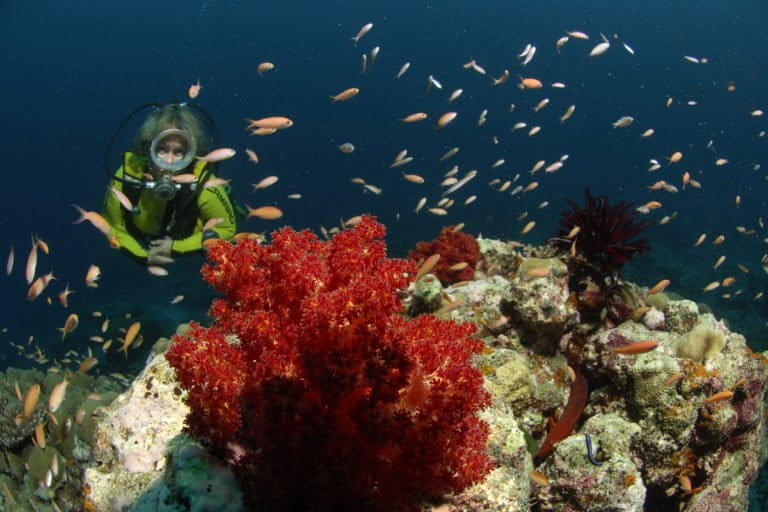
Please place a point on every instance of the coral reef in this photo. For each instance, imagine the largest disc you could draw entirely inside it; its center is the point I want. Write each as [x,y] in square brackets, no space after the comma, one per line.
[701,342]
[680,316]
[458,255]
[668,429]
[315,387]
[43,456]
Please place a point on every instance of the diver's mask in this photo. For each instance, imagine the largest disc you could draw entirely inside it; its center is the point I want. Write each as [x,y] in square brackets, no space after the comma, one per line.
[171,151]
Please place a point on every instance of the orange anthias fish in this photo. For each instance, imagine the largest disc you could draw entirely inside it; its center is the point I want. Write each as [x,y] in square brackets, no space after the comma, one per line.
[9,262]
[346,94]
[94,218]
[122,198]
[427,266]
[30,400]
[675,157]
[445,119]
[70,325]
[36,288]
[31,263]
[210,223]
[57,395]
[130,336]
[638,347]
[265,212]
[530,83]
[364,30]
[264,67]
[659,287]
[276,122]
[88,363]
[63,295]
[252,156]
[92,275]
[217,155]
[194,89]
[414,118]
[262,132]
[184,179]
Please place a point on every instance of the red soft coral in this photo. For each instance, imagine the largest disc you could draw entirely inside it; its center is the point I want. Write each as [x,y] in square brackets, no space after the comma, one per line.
[331,399]
[454,247]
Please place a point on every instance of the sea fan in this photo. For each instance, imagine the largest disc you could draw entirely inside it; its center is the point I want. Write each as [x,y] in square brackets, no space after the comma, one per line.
[606,232]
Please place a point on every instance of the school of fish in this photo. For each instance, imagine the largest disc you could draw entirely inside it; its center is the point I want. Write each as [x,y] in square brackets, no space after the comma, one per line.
[445,187]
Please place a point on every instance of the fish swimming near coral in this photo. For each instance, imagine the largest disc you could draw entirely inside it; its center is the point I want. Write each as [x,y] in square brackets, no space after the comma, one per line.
[564,426]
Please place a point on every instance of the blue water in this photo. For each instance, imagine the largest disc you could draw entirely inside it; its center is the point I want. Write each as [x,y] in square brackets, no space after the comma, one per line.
[70,71]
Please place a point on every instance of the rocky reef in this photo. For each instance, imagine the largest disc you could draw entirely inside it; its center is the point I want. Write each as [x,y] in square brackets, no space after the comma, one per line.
[143,462]
[673,417]
[650,403]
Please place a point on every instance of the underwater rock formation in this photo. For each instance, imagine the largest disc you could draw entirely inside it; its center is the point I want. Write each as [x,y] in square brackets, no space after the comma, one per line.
[663,428]
[538,303]
[143,462]
[426,295]
[131,436]
[666,432]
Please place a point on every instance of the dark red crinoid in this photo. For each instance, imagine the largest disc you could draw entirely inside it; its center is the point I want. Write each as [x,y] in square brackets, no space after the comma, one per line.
[454,248]
[607,235]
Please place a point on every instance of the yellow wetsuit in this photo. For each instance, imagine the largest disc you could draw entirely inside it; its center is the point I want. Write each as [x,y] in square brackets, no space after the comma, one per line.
[133,231]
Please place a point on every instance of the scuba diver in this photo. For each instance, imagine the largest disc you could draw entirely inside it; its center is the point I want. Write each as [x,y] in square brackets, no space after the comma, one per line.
[174,208]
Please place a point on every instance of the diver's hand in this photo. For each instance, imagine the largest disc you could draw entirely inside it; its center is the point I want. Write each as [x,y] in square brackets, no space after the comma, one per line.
[160,252]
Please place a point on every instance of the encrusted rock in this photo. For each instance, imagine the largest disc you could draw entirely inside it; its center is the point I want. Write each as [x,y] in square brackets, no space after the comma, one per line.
[538,304]
[681,315]
[506,488]
[479,301]
[195,478]
[654,319]
[704,341]
[131,437]
[426,295]
[497,257]
[578,484]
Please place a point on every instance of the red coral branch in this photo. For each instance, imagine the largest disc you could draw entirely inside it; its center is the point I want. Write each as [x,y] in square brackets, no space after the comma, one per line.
[455,247]
[332,400]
